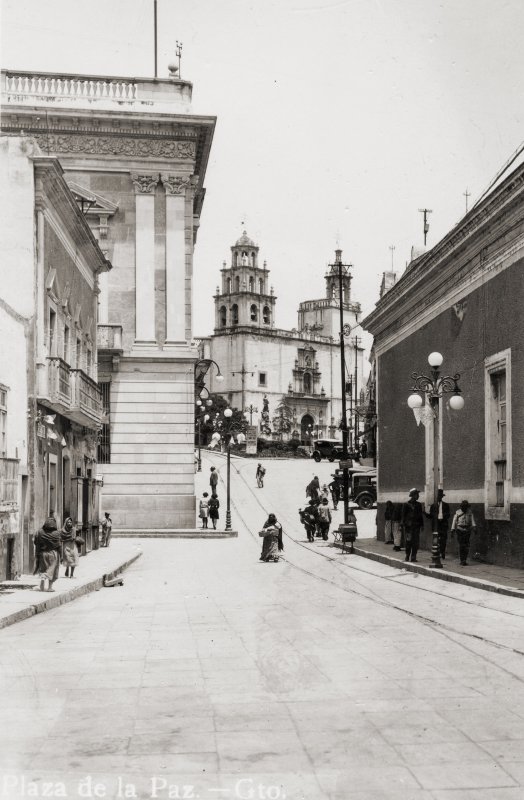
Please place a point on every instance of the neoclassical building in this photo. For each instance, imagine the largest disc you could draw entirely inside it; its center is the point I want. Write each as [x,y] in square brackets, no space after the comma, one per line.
[135,158]
[264,365]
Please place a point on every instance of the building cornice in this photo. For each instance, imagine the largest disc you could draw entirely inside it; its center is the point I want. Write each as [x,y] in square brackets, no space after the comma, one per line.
[472,251]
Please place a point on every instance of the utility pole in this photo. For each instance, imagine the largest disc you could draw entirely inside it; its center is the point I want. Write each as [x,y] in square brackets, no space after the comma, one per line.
[243,372]
[343,269]
[155,36]
[356,343]
[251,409]
[466,195]
[426,211]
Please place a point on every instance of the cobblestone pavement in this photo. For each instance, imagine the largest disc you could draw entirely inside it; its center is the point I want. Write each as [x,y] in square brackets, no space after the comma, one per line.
[322,676]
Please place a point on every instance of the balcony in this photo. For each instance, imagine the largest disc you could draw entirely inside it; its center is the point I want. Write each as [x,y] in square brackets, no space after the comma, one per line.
[86,400]
[109,339]
[56,389]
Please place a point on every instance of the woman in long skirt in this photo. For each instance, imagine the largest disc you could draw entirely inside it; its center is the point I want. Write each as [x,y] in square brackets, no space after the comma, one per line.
[272,544]
[47,551]
[69,549]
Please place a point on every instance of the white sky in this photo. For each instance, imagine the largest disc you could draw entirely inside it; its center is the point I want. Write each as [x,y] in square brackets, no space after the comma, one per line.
[337,120]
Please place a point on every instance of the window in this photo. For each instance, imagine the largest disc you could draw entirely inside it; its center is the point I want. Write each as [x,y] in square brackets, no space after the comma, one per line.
[78,360]
[261,285]
[262,378]
[237,283]
[266,315]
[223,317]
[254,313]
[104,440]
[66,344]
[498,436]
[234,314]
[52,332]
[251,284]
[89,361]
[3,421]
[307,383]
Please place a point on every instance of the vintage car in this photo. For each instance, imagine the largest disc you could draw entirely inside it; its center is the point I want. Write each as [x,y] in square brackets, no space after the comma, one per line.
[327,448]
[362,485]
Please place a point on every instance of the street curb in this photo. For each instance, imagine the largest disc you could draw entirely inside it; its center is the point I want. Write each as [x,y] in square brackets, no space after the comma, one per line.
[64,597]
[451,577]
[174,534]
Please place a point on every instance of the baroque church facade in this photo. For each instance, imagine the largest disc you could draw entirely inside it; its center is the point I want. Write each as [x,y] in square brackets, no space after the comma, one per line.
[287,382]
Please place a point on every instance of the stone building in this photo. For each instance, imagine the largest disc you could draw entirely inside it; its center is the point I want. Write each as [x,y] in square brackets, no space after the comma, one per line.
[135,158]
[49,398]
[264,366]
[463,298]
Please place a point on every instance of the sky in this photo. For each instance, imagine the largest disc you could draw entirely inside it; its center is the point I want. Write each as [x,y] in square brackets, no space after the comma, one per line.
[337,120]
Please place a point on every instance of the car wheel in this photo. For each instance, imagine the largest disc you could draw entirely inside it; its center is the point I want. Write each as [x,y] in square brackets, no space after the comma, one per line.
[331,459]
[366,501]
[317,457]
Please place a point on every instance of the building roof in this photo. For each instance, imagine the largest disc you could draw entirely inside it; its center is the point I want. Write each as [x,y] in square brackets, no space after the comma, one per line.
[245,241]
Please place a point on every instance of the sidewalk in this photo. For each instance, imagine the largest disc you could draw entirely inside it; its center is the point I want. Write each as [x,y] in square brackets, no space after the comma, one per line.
[22,599]
[490,577]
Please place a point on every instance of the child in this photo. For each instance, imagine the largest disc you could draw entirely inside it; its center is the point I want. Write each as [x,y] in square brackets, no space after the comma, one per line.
[204,509]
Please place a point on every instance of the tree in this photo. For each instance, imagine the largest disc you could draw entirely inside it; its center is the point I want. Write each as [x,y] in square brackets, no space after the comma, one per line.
[283,419]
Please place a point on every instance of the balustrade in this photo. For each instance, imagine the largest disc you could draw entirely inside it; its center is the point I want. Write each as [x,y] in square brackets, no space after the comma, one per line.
[44,85]
[87,397]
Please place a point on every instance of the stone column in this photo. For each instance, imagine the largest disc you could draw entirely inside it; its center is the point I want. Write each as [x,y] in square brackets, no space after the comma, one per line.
[176,186]
[145,258]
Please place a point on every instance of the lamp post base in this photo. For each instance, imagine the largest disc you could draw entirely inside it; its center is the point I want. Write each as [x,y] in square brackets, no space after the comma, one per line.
[228,520]
[436,563]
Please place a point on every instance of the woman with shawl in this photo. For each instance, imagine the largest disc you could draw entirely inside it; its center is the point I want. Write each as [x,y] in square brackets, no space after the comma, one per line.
[272,544]
[47,551]
[69,549]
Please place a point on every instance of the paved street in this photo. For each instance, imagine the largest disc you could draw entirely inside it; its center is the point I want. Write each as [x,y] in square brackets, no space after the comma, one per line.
[322,676]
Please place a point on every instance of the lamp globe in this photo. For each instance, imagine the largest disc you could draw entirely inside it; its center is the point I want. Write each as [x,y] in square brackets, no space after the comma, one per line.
[435,359]
[228,412]
[456,402]
[414,401]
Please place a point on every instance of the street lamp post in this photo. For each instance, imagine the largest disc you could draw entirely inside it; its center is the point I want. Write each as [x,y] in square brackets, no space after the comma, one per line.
[201,408]
[251,409]
[229,430]
[200,371]
[434,387]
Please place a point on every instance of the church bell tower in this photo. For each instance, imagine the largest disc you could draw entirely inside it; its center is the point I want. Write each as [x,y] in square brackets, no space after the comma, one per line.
[244,298]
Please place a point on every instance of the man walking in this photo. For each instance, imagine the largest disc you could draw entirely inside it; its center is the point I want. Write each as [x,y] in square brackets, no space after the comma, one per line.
[439,515]
[412,521]
[260,476]
[464,525]
[213,480]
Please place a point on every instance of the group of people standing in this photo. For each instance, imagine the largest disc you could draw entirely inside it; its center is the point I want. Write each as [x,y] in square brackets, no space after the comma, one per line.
[208,507]
[405,521]
[316,516]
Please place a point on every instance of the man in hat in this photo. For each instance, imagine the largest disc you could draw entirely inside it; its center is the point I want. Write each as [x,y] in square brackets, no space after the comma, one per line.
[412,521]
[439,515]
[464,525]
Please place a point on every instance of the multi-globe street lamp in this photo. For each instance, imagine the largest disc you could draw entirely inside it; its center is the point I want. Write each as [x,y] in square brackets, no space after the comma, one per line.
[229,429]
[434,387]
[201,391]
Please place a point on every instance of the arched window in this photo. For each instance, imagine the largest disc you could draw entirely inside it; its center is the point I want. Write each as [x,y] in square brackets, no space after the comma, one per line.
[234,314]
[223,317]
[237,283]
[261,285]
[306,428]
[251,284]
[307,383]
[266,315]
[253,259]
[254,313]
[229,285]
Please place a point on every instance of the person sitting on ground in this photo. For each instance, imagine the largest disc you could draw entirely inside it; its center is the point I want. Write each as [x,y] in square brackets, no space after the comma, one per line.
[70,557]
[47,552]
[272,544]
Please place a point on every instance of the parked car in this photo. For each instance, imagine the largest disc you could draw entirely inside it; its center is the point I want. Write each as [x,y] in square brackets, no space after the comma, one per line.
[362,485]
[327,448]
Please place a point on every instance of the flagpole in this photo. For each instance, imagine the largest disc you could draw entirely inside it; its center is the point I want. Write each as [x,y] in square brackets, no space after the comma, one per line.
[155,26]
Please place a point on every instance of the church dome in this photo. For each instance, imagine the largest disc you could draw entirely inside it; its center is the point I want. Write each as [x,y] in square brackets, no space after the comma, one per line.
[245,241]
